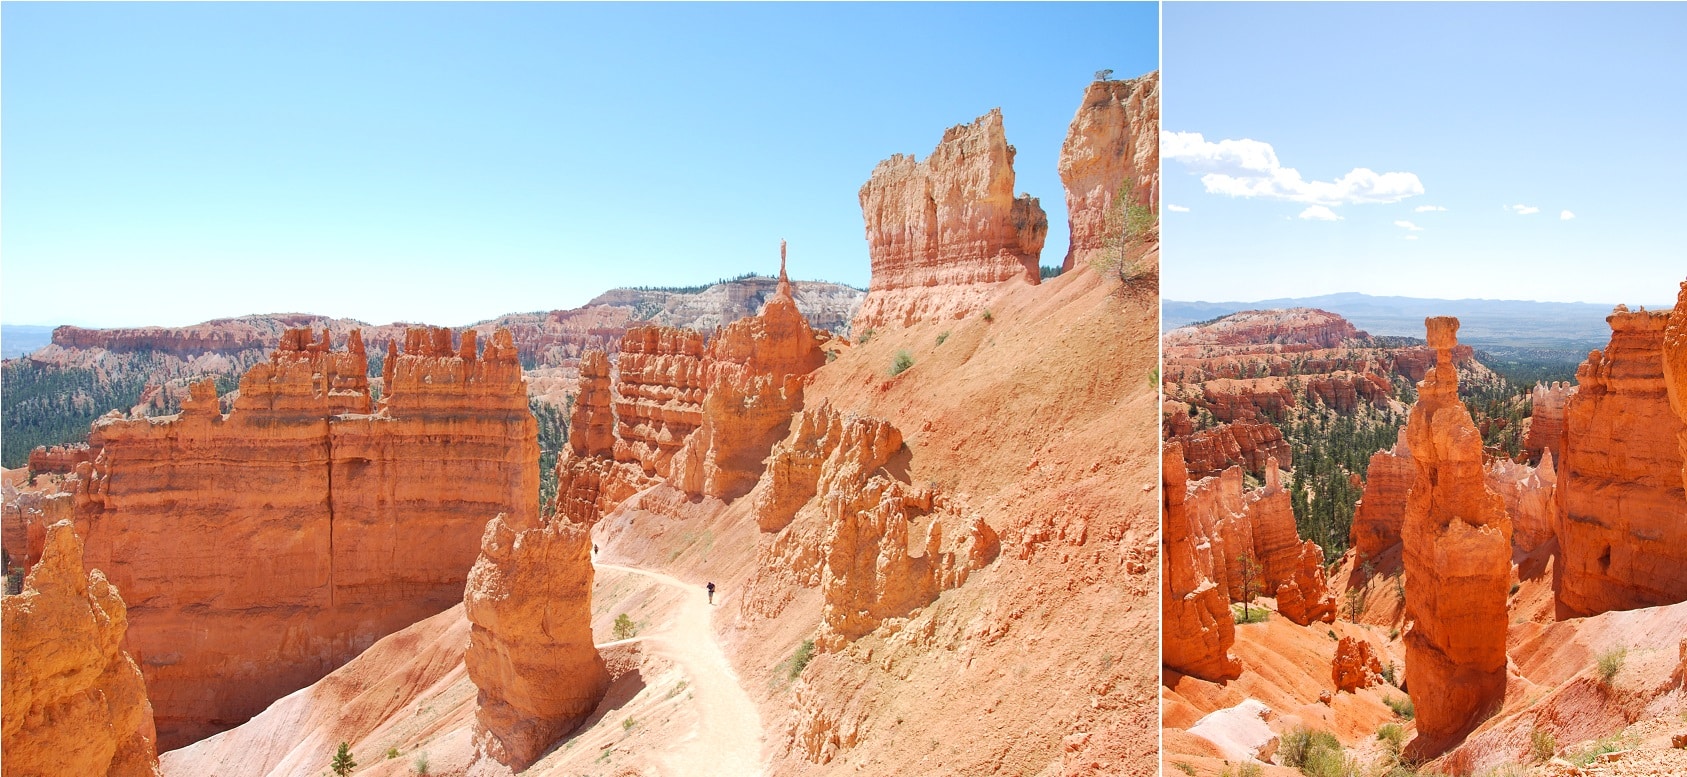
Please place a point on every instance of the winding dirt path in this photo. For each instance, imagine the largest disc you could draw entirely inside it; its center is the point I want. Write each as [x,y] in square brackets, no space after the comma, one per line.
[729,740]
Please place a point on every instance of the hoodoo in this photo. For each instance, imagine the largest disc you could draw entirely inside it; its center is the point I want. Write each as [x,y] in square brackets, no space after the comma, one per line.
[1457,544]
[1195,610]
[1114,142]
[944,234]
[74,702]
[262,549]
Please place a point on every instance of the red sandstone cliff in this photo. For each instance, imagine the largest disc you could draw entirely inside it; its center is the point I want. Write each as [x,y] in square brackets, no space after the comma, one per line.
[1546,421]
[529,598]
[1457,543]
[261,549]
[75,704]
[1675,370]
[1623,529]
[944,233]
[1114,142]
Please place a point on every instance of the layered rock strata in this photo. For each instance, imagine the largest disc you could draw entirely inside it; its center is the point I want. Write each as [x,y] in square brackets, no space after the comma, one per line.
[1531,499]
[1253,534]
[1623,529]
[1197,627]
[1457,551]
[1112,147]
[74,702]
[531,653]
[942,234]
[61,458]
[264,548]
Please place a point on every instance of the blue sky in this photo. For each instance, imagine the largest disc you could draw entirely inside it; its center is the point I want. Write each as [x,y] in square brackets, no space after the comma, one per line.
[170,163]
[1571,111]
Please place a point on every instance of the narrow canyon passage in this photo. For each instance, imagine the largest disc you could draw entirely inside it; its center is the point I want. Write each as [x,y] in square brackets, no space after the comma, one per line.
[728,741]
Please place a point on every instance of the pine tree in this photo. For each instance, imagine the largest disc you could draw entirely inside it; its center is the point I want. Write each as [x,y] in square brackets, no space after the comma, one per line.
[343,763]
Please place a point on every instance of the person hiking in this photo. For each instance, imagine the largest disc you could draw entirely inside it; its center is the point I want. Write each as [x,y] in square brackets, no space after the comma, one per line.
[711,587]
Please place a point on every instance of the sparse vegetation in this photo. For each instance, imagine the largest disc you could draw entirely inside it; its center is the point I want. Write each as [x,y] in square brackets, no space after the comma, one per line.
[901,363]
[865,336]
[1251,576]
[1126,226]
[942,337]
[1514,587]
[1392,736]
[1355,604]
[1542,745]
[1183,766]
[420,765]
[1402,706]
[343,762]
[1315,754]
[1104,75]
[1154,377]
[988,316]
[1388,674]
[624,627]
[1610,663]
[392,752]
[1244,616]
[678,689]
[1610,744]
[798,661]
[627,725]
[553,434]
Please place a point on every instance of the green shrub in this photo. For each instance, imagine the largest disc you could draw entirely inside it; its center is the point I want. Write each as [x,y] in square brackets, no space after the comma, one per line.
[800,659]
[1246,615]
[624,627]
[1388,673]
[1402,706]
[392,752]
[627,725]
[420,765]
[1542,745]
[1314,753]
[1392,736]
[942,337]
[1610,663]
[901,363]
[343,763]
[1185,768]
[988,316]
[1154,377]
[865,336]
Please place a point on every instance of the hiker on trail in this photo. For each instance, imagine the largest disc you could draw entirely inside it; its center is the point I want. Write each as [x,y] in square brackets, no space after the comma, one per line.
[711,588]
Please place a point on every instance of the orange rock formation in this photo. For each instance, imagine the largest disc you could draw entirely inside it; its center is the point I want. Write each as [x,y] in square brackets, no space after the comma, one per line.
[1623,531]
[943,233]
[1457,543]
[1546,420]
[1113,142]
[264,548]
[1531,498]
[529,598]
[1381,511]
[74,702]
[1259,526]
[1355,666]
[1196,623]
[60,458]
[1675,371]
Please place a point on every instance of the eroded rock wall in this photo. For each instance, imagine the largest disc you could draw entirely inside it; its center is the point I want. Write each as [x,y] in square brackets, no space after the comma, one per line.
[1457,549]
[74,702]
[1623,530]
[1113,143]
[262,549]
[1546,419]
[1382,508]
[944,232]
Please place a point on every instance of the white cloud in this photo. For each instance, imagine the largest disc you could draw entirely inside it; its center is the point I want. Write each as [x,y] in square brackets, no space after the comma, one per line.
[1319,213]
[1523,210]
[1176,208]
[1428,208]
[1566,216]
[1250,168]
[1408,225]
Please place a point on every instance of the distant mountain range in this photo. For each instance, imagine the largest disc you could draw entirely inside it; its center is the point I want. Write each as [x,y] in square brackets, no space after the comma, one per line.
[17,340]
[1570,327]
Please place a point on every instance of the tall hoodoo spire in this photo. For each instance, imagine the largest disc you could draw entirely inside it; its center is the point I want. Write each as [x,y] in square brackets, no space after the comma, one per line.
[784,282]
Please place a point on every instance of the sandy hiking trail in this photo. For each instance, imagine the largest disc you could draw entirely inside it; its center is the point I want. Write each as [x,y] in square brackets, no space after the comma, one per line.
[728,742]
